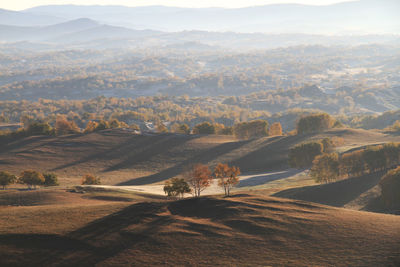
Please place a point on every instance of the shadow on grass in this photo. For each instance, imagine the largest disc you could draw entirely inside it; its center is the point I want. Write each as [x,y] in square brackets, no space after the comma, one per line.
[263,179]
[203,157]
[335,194]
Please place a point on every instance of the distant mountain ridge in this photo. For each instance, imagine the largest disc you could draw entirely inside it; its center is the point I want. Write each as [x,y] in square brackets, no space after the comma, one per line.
[341,18]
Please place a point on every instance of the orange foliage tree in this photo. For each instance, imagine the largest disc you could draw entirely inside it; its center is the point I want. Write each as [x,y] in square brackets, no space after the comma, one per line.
[228,176]
[199,178]
[63,126]
[275,129]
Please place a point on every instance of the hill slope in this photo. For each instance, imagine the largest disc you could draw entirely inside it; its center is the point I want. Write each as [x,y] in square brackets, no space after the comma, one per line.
[120,157]
[242,230]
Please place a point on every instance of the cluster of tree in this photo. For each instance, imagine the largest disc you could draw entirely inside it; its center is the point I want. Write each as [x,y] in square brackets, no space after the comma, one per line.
[176,187]
[315,123]
[90,179]
[199,177]
[390,188]
[30,178]
[251,129]
[330,166]
[302,155]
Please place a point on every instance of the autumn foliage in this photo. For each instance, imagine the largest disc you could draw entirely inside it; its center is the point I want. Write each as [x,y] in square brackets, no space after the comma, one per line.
[90,179]
[228,176]
[199,178]
[314,123]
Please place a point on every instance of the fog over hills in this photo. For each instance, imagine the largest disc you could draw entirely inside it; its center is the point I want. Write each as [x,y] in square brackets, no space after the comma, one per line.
[342,18]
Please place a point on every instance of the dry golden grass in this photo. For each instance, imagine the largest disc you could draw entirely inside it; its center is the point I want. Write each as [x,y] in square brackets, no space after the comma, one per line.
[243,230]
[120,157]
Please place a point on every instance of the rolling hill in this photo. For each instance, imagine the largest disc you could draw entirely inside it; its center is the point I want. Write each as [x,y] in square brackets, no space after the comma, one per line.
[242,230]
[120,157]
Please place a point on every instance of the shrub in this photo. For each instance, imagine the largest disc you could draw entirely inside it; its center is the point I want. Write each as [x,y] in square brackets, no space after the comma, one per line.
[390,188]
[90,179]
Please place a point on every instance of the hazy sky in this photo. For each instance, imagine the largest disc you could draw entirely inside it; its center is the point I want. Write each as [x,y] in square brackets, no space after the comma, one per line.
[23,4]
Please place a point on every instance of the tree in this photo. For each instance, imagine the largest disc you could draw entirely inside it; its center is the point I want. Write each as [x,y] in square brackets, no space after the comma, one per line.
[50,179]
[31,178]
[38,128]
[352,163]
[228,176]
[328,145]
[325,168]
[390,188]
[63,126]
[204,128]
[161,128]
[314,123]
[90,179]
[6,179]
[176,187]
[251,129]
[199,178]
[302,155]
[184,128]
[275,129]
[91,126]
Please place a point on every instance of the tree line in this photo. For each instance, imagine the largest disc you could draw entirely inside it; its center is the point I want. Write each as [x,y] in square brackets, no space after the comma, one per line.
[29,177]
[329,167]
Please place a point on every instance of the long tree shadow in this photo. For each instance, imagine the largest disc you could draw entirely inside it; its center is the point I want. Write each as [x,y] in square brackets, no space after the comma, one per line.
[203,157]
[335,194]
[108,236]
[272,155]
[263,179]
[134,147]
[145,151]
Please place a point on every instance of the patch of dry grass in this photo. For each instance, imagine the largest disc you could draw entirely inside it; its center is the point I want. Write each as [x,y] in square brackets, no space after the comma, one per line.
[244,230]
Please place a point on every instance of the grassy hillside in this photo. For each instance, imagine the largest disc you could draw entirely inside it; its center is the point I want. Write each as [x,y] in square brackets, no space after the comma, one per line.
[120,157]
[243,230]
